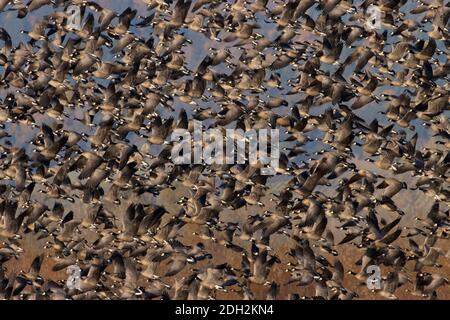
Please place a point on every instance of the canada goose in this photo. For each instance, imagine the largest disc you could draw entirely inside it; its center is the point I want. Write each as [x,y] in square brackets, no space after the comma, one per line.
[180,12]
[428,50]
[427,283]
[125,19]
[106,14]
[159,130]
[391,187]
[86,115]
[4,3]
[33,273]
[88,162]
[95,269]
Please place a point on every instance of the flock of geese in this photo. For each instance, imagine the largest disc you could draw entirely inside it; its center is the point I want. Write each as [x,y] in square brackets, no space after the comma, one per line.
[86,116]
